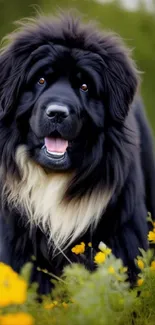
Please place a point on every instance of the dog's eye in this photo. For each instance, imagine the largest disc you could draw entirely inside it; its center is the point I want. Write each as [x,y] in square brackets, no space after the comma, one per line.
[84,87]
[41,81]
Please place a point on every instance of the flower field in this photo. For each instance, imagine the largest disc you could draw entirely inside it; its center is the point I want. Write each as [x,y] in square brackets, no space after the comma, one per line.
[103,297]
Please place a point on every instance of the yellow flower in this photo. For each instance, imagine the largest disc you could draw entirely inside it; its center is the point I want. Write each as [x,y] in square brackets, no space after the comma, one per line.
[111,270]
[55,302]
[64,304]
[151,235]
[123,269]
[99,258]
[16,319]
[107,251]
[79,249]
[140,282]
[89,244]
[152,267]
[13,289]
[49,306]
[103,248]
[140,264]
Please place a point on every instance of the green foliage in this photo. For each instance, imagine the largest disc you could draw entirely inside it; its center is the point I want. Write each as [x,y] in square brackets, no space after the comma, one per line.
[103,297]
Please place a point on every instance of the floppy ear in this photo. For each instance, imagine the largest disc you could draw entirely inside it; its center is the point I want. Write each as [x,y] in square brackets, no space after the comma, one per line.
[11,77]
[121,79]
[10,80]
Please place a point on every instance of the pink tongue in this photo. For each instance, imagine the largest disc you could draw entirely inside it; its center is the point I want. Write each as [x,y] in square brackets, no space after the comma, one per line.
[56,144]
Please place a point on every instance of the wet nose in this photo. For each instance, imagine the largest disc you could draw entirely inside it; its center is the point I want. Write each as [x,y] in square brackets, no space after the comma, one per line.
[57,111]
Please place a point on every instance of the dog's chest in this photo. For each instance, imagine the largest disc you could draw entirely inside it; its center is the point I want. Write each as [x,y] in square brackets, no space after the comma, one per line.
[41,197]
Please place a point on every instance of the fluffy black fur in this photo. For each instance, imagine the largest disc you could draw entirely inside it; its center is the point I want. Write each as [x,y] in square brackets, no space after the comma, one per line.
[110,144]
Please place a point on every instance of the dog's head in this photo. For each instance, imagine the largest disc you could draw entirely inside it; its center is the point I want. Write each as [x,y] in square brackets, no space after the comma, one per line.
[63,86]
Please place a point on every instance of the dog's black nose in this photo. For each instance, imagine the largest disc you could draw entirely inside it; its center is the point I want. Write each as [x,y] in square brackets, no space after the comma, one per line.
[57,111]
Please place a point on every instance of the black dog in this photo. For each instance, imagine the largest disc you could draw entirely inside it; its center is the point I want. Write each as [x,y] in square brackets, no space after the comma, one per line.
[76,152]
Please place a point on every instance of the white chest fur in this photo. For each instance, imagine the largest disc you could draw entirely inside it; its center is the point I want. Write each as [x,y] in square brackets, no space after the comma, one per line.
[40,196]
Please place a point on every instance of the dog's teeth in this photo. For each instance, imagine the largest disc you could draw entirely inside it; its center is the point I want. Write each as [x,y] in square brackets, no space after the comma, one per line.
[55,153]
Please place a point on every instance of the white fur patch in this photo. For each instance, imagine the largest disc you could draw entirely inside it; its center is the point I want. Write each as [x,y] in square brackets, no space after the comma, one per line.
[40,196]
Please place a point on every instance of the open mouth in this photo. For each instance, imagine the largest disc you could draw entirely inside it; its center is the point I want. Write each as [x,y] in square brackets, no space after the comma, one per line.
[55,147]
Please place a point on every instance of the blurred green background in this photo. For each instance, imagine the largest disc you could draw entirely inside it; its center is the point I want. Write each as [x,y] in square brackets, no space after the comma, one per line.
[136,27]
